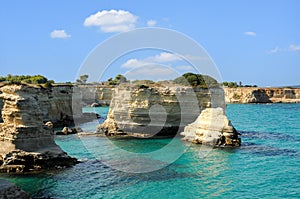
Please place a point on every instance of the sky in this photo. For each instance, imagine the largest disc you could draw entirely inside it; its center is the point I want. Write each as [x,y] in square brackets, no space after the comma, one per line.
[255,42]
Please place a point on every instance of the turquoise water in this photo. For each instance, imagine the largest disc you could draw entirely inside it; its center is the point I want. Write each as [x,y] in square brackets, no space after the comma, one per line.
[266,166]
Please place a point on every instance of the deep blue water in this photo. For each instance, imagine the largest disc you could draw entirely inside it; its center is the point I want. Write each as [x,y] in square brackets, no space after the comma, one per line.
[265,166]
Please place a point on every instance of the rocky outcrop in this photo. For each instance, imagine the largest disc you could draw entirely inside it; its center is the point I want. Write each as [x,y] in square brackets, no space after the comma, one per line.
[27,144]
[160,110]
[212,127]
[10,191]
[262,95]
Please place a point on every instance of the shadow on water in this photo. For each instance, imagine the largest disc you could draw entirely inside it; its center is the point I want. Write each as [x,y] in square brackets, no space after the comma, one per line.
[253,147]
[267,136]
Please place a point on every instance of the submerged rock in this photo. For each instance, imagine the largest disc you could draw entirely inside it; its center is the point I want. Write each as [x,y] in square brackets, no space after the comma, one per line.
[10,191]
[212,127]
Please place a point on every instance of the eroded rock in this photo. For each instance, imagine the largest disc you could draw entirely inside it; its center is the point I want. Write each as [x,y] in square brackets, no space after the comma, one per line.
[160,110]
[26,143]
[212,127]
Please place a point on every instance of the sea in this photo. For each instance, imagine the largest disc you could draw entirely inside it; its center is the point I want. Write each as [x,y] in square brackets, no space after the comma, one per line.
[267,165]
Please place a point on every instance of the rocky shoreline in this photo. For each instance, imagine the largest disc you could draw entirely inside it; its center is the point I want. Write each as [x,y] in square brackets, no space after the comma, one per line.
[246,95]
[27,141]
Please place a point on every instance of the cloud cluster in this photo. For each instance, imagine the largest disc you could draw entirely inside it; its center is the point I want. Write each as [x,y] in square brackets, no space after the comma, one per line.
[163,57]
[112,20]
[291,48]
[59,34]
[152,72]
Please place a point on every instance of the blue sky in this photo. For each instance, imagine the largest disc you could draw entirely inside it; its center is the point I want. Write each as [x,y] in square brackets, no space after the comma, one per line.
[256,42]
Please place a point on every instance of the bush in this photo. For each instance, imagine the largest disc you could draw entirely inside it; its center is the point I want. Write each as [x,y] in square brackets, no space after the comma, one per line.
[196,80]
[19,79]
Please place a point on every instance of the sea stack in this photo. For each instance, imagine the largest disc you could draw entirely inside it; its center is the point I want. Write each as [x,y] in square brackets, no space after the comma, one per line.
[26,144]
[156,110]
[212,127]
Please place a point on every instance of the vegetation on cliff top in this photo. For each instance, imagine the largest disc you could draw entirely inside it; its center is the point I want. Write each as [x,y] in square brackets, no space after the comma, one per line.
[196,80]
[235,85]
[26,79]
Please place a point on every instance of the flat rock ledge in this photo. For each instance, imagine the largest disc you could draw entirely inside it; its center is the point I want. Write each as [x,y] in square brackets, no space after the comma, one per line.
[212,127]
[10,191]
[19,161]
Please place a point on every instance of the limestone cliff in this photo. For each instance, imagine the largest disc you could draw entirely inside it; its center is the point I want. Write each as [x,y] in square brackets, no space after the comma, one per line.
[25,142]
[262,95]
[159,110]
[96,94]
[212,127]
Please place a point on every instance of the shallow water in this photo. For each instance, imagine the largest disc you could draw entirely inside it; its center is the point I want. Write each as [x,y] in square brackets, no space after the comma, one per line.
[265,166]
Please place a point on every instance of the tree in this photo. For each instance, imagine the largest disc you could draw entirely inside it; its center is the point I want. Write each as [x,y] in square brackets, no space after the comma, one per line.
[82,79]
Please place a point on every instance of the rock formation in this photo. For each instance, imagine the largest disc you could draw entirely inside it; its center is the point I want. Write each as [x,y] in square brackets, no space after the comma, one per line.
[212,128]
[262,95]
[158,110]
[25,142]
[10,191]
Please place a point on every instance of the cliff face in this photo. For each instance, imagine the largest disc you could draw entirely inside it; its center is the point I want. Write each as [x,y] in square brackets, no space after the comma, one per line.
[262,95]
[96,94]
[1,106]
[25,142]
[56,105]
[162,111]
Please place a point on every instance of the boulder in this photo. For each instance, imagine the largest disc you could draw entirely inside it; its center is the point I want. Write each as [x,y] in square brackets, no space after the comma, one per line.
[95,105]
[69,131]
[212,127]
[49,124]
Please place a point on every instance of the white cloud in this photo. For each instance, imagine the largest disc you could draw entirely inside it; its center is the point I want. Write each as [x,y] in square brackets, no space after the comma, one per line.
[184,67]
[151,72]
[294,47]
[250,33]
[291,48]
[274,50]
[59,34]
[151,23]
[163,57]
[134,63]
[112,20]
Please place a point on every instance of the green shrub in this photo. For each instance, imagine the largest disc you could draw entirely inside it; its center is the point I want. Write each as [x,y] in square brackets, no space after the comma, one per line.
[196,80]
